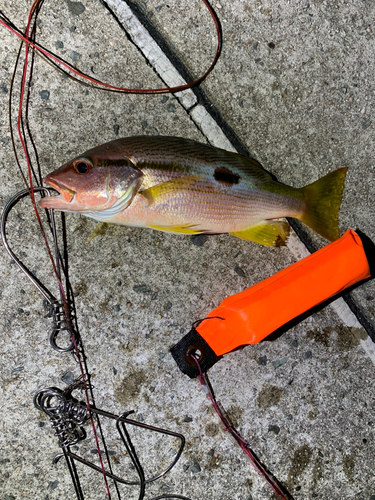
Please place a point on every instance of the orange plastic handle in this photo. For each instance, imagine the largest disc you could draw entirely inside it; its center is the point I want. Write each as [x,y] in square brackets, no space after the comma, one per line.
[252,315]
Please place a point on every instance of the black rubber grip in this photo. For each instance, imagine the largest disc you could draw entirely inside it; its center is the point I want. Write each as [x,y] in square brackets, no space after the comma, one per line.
[193,344]
[369,248]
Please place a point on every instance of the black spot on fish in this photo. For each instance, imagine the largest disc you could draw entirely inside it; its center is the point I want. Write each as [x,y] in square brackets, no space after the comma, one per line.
[225,176]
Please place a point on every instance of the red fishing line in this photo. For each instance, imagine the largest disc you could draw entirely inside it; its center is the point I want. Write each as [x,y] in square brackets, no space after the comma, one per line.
[228,427]
[32,194]
[53,57]
[31,43]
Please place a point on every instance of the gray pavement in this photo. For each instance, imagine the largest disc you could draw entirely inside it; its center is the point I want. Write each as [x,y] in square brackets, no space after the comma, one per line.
[294,87]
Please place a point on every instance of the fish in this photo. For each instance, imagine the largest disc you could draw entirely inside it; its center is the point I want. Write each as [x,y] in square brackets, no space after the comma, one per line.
[181,186]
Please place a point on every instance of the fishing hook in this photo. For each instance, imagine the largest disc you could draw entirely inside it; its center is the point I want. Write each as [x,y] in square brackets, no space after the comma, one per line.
[55,308]
[66,413]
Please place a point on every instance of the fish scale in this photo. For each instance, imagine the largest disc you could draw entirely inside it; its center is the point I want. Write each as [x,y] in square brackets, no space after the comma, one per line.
[182,186]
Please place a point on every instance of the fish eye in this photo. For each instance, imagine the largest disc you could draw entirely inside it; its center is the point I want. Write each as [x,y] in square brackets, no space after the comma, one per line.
[81,167]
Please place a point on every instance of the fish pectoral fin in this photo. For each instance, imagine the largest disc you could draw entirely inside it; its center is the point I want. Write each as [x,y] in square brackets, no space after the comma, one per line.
[268,233]
[164,191]
[185,229]
[99,230]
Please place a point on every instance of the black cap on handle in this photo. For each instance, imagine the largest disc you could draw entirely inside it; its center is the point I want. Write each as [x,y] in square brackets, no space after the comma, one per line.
[193,344]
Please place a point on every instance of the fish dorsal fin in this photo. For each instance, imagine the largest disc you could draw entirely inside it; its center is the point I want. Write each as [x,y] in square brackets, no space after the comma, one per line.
[164,191]
[269,233]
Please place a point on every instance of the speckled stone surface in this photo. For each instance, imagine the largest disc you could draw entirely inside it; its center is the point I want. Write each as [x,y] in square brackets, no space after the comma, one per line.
[295,85]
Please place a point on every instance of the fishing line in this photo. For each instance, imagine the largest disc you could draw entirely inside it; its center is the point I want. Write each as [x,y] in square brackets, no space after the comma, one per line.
[277,487]
[22,136]
[28,40]
[106,86]
[39,182]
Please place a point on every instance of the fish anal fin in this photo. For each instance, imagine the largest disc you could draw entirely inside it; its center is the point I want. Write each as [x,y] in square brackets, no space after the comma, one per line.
[268,233]
[162,192]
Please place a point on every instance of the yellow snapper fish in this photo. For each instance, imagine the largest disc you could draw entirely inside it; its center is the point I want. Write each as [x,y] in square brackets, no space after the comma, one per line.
[181,186]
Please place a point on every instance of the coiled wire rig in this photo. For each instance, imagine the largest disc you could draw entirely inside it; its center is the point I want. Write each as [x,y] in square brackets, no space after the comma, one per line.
[68,415]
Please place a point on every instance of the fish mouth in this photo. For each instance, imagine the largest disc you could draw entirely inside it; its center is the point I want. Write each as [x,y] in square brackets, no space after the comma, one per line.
[65,196]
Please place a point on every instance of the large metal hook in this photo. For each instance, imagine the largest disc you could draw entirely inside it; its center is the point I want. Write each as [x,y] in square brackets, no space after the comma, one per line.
[8,207]
[52,305]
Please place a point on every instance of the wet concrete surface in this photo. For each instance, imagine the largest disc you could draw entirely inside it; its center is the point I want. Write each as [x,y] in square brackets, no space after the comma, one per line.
[294,88]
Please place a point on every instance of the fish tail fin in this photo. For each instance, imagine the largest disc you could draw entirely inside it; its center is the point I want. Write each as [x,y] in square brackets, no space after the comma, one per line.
[323,200]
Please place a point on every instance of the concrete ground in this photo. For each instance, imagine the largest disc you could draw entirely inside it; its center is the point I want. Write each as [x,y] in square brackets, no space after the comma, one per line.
[294,87]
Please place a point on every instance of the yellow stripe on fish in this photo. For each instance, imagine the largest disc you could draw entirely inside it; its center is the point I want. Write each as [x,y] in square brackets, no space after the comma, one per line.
[177,229]
[163,192]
